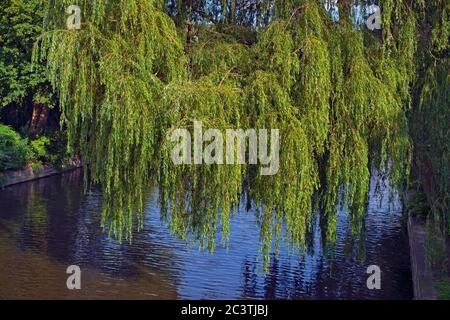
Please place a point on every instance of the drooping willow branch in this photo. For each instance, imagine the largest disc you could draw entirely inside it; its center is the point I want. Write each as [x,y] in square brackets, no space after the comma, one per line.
[338,96]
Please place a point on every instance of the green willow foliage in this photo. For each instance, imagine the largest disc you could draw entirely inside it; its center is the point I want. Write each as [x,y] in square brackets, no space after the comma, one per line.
[430,118]
[20,25]
[338,93]
[110,78]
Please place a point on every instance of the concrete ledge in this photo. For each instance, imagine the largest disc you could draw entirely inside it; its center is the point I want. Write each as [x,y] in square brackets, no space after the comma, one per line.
[422,276]
[17,176]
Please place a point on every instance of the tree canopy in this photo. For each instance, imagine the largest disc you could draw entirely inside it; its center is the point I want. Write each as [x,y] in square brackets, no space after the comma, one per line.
[20,25]
[340,94]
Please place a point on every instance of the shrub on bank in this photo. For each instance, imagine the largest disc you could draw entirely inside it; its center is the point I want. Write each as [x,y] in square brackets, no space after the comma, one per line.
[14,150]
[443,289]
[39,148]
[17,152]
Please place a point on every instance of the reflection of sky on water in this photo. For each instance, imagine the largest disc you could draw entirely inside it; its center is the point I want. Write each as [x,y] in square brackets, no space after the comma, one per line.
[238,271]
[53,218]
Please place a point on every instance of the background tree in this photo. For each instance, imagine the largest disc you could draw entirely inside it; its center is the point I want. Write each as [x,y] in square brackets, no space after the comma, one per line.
[24,89]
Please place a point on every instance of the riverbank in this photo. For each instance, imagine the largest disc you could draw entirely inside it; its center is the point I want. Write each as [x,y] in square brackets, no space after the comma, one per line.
[422,275]
[17,176]
[428,282]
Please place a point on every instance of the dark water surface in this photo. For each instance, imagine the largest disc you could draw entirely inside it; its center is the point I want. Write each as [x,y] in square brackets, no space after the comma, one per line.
[49,224]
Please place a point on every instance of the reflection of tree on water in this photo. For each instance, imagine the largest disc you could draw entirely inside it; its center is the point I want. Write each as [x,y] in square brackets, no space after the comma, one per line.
[50,210]
[66,231]
[323,271]
[55,217]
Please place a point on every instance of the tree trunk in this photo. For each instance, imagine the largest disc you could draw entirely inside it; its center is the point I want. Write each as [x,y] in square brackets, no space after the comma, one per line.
[38,118]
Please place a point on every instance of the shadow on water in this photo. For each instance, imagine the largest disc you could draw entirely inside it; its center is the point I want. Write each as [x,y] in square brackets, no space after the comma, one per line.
[49,224]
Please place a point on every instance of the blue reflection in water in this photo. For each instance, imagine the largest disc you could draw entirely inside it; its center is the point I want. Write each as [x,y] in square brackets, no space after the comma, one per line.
[54,220]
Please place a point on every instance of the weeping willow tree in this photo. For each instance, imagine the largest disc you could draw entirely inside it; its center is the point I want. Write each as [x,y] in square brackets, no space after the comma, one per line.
[339,93]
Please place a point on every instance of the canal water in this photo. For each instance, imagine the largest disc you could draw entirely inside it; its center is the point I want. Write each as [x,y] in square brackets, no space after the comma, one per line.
[49,224]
